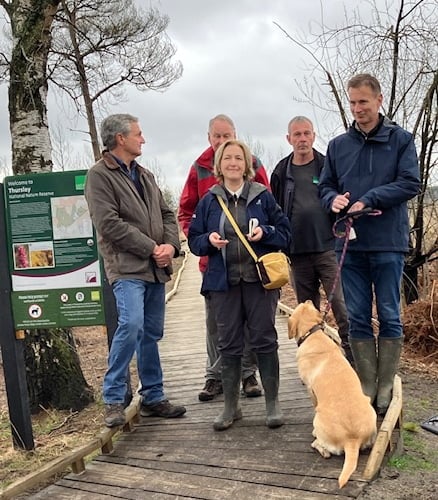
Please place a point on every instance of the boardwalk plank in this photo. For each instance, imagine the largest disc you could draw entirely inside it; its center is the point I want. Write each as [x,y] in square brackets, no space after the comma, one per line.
[308,483]
[184,458]
[120,481]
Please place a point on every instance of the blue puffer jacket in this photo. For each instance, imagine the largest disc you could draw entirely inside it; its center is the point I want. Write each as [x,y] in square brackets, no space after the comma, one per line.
[382,172]
[209,217]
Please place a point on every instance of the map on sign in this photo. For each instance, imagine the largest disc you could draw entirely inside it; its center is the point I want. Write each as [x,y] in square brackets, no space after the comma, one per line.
[70,218]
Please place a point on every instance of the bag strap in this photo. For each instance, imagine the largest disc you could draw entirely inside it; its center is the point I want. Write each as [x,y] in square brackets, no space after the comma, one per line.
[237,228]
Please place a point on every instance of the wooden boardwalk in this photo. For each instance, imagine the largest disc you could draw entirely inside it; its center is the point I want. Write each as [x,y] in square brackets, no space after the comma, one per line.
[184,457]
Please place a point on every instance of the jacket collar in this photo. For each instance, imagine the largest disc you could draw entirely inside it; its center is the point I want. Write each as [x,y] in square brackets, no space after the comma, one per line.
[250,190]
[206,159]
[380,132]
[114,163]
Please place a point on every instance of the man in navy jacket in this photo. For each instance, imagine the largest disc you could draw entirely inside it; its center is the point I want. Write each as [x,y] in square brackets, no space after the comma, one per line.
[373,165]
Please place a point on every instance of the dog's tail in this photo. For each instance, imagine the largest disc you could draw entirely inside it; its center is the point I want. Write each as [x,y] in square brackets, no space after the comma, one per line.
[351,450]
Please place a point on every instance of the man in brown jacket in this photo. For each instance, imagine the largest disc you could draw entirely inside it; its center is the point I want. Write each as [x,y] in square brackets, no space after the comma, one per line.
[137,238]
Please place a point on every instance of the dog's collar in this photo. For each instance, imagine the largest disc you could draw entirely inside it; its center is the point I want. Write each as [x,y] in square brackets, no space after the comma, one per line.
[315,328]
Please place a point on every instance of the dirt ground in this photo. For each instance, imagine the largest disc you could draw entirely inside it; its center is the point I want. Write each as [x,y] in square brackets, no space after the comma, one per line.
[412,475]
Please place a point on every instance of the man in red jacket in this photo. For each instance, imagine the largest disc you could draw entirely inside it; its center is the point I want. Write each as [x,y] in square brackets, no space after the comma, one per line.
[200,179]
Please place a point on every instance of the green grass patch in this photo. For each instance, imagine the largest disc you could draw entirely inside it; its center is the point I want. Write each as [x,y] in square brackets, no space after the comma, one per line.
[408,463]
[418,456]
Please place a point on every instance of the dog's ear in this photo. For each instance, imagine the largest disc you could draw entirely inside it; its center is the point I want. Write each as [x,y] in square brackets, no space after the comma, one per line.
[292,325]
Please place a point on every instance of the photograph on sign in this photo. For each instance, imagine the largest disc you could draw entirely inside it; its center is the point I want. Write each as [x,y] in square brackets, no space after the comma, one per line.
[31,255]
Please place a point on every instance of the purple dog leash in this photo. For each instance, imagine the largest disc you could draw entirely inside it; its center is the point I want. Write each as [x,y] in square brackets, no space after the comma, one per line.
[348,224]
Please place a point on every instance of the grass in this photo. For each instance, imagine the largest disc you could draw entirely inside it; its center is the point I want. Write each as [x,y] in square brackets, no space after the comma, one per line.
[55,433]
[418,455]
[409,463]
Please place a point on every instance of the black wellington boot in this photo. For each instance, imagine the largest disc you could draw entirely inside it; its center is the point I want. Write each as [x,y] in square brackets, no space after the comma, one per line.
[388,356]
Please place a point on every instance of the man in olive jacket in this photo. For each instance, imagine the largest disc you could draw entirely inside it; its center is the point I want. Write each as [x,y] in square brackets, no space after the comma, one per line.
[137,238]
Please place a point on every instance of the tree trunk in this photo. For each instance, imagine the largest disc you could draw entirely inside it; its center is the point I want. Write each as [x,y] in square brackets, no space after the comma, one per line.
[54,375]
[31,22]
[83,81]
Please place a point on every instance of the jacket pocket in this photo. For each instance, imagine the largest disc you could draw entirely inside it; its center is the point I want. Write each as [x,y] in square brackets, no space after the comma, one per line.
[129,263]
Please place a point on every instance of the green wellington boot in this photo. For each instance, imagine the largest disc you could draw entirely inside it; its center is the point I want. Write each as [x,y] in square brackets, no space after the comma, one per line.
[365,361]
[270,374]
[389,350]
[231,373]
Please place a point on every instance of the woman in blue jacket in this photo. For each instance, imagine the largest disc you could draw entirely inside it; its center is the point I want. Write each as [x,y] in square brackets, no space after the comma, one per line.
[231,279]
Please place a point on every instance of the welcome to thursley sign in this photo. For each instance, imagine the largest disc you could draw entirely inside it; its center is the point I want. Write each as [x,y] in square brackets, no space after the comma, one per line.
[53,260]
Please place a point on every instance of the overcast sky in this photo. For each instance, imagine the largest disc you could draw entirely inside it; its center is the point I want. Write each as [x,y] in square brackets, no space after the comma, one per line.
[236,61]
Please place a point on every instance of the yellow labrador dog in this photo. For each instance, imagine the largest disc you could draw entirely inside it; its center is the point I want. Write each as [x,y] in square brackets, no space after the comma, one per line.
[344,419]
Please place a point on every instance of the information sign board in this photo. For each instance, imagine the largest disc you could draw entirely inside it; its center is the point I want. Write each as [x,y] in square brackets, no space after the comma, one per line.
[53,259]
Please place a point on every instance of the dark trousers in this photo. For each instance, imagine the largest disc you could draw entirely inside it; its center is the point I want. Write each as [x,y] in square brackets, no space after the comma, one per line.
[214,360]
[246,303]
[309,272]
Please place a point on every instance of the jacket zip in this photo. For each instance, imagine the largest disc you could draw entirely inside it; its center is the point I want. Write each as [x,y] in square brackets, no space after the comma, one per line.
[239,243]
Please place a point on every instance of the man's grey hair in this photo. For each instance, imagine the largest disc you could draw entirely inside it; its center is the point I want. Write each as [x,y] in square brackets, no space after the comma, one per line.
[299,119]
[223,118]
[113,125]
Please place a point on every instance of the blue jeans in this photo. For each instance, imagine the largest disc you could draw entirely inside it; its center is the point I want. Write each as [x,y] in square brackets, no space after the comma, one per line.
[140,308]
[363,272]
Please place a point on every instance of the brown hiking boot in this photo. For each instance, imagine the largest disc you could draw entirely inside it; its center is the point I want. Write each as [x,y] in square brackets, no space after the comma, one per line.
[114,415]
[211,389]
[251,388]
[162,409]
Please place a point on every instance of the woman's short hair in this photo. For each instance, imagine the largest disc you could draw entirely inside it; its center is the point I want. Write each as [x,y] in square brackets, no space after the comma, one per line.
[249,170]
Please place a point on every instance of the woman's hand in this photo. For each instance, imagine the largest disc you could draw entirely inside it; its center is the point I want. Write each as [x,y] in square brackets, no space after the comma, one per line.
[256,235]
[216,240]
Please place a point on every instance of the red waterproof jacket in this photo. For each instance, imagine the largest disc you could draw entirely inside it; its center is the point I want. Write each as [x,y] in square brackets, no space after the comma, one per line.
[200,179]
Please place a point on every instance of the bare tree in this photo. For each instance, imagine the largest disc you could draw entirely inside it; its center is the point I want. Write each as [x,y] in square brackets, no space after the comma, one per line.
[54,373]
[63,153]
[170,197]
[399,44]
[268,158]
[100,45]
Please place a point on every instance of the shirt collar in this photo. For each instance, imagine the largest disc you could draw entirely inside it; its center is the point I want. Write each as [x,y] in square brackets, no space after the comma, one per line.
[238,192]
[132,165]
